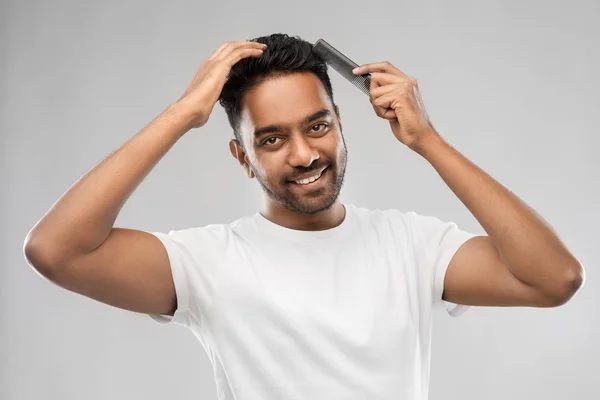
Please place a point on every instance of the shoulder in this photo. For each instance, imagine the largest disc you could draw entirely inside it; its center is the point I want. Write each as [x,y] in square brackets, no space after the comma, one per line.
[387,221]
[216,230]
[402,223]
[190,236]
[409,218]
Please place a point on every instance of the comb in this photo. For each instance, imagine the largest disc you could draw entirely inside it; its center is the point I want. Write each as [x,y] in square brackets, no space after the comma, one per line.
[343,65]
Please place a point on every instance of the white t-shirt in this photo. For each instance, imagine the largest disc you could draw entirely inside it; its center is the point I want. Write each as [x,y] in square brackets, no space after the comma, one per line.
[343,313]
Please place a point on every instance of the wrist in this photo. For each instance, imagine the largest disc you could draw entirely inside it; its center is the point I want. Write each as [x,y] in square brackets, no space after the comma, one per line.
[428,142]
[182,114]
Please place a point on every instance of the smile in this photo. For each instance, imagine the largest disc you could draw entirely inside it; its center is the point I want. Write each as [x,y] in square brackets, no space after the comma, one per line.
[309,180]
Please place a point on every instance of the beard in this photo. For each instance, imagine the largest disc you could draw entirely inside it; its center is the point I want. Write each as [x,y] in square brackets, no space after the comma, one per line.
[309,203]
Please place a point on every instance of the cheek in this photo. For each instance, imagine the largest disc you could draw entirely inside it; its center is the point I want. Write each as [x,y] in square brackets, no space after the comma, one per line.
[339,148]
[257,163]
[268,168]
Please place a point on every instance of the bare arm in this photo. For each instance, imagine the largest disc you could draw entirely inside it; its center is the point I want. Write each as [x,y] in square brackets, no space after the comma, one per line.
[522,261]
[75,245]
[83,217]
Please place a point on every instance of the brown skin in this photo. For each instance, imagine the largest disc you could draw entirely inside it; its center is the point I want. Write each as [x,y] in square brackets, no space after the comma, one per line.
[296,148]
[75,244]
[522,262]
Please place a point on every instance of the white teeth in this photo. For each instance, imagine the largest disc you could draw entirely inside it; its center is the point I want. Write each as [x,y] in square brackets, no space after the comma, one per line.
[309,180]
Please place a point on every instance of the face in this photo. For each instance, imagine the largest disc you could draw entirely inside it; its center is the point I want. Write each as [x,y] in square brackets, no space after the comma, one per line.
[290,131]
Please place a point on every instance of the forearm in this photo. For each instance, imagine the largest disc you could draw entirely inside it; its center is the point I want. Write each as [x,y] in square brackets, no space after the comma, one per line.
[84,215]
[526,243]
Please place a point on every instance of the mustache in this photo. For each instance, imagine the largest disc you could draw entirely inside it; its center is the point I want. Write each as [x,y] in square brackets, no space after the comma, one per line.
[302,171]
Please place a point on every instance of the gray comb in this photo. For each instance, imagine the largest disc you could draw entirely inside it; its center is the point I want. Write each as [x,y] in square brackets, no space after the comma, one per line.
[343,65]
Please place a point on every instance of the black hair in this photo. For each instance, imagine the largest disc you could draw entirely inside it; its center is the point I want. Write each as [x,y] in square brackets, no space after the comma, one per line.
[284,55]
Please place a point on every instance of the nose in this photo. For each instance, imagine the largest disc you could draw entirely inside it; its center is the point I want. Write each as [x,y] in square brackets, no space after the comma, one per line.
[302,154]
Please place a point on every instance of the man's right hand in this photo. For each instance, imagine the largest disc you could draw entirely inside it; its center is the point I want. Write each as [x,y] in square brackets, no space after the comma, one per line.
[76,245]
[203,92]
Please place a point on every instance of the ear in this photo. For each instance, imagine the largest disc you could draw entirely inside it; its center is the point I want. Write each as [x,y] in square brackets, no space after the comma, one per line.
[237,151]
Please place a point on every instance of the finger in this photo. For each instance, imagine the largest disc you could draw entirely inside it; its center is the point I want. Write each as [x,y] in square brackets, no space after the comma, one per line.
[390,115]
[382,106]
[233,47]
[384,66]
[376,94]
[379,91]
[384,78]
[384,101]
[386,113]
[218,51]
[223,49]
[240,53]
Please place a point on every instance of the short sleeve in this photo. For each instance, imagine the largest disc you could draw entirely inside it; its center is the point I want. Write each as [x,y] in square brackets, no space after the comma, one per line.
[194,255]
[436,242]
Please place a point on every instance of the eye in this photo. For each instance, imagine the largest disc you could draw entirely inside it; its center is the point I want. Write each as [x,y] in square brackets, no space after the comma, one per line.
[317,125]
[269,140]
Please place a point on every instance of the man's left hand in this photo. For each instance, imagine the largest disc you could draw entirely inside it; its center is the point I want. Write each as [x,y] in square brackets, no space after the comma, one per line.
[395,96]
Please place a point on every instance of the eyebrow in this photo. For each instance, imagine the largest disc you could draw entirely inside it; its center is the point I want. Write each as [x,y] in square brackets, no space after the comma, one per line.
[279,128]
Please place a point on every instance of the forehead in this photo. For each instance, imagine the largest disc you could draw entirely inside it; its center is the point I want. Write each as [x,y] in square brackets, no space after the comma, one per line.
[284,100]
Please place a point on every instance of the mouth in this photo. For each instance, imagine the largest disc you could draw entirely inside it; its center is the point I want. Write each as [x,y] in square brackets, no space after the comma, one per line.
[312,182]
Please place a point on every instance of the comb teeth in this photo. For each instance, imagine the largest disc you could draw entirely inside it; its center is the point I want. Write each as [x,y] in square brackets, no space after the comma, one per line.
[363,82]
[343,65]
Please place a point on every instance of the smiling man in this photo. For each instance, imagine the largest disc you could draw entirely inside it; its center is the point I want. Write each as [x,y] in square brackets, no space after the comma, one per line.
[308,298]
[294,148]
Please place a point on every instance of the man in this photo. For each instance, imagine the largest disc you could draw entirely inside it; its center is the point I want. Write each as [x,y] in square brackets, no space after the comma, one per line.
[309,298]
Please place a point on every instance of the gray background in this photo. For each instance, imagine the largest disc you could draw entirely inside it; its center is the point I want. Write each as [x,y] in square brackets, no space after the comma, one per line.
[512,85]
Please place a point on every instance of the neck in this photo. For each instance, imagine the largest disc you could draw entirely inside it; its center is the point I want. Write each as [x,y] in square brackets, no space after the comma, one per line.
[322,220]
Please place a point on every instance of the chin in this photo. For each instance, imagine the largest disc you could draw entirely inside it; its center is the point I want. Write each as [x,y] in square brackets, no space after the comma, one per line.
[312,209]
[304,204]
[311,206]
